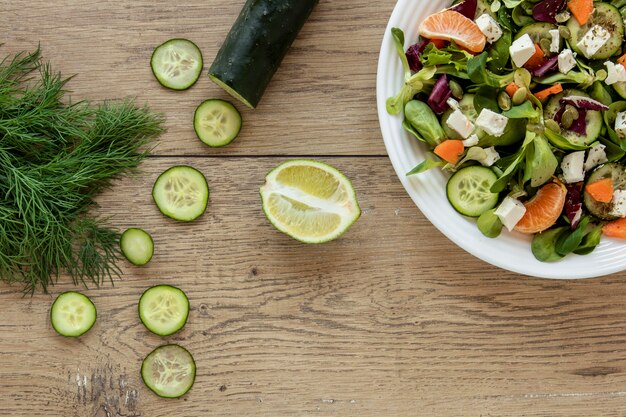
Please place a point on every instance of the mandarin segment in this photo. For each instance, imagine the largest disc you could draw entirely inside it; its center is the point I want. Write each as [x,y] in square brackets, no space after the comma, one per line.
[450,25]
[544,209]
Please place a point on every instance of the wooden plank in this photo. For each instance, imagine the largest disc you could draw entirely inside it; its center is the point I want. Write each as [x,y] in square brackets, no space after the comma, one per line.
[321,101]
[392,319]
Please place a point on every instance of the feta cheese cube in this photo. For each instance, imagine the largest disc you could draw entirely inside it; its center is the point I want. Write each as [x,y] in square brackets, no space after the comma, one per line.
[471,141]
[489,27]
[566,60]
[556,40]
[620,124]
[595,157]
[510,212]
[521,50]
[572,167]
[453,103]
[594,39]
[615,73]
[492,122]
[460,123]
[491,156]
[619,203]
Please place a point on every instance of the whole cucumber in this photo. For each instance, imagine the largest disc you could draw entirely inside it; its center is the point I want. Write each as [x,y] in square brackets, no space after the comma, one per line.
[256,45]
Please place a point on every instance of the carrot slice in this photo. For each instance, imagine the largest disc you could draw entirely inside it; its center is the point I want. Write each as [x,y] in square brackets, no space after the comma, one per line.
[536,60]
[581,9]
[601,190]
[616,228]
[450,150]
[622,60]
[439,43]
[511,88]
[544,94]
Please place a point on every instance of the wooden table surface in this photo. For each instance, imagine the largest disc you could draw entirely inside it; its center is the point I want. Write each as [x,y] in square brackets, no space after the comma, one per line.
[390,320]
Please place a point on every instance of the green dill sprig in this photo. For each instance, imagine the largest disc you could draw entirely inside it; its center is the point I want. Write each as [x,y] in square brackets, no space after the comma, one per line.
[55,157]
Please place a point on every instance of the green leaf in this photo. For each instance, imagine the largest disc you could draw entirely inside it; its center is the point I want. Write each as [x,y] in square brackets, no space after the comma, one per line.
[598,92]
[520,17]
[523,111]
[543,163]
[613,151]
[426,164]
[486,98]
[509,4]
[504,18]
[476,69]
[568,242]
[407,126]
[433,56]
[398,41]
[559,141]
[499,52]
[590,241]
[515,162]
[543,245]
[475,153]
[419,115]
[489,224]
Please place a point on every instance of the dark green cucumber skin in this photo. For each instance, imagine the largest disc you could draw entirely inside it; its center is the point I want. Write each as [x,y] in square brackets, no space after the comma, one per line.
[257,43]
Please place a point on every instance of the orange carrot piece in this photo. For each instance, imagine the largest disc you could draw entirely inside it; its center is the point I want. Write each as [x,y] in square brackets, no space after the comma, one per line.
[544,94]
[536,60]
[511,88]
[581,9]
[450,150]
[616,228]
[622,60]
[601,190]
[439,43]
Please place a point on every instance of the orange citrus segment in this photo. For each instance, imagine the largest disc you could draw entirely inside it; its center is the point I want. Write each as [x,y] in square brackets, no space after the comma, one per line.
[544,209]
[453,26]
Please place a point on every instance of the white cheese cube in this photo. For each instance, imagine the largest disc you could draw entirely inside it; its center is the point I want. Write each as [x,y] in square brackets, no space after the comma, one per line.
[460,123]
[556,40]
[619,203]
[594,39]
[510,212]
[491,156]
[566,60]
[620,124]
[615,73]
[573,167]
[521,50]
[595,157]
[491,122]
[471,141]
[453,103]
[489,27]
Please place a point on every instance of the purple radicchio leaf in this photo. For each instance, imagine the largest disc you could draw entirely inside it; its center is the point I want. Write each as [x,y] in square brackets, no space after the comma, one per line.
[413,54]
[547,67]
[573,204]
[546,10]
[579,125]
[437,100]
[584,103]
[467,8]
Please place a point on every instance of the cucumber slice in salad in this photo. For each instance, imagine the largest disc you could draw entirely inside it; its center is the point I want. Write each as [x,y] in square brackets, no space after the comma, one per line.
[593,119]
[169,371]
[617,173]
[177,64]
[137,246]
[469,190]
[606,16]
[181,193]
[72,314]
[163,309]
[537,31]
[216,122]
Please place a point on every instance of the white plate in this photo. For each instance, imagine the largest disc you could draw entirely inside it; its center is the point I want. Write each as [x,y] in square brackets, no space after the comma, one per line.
[510,251]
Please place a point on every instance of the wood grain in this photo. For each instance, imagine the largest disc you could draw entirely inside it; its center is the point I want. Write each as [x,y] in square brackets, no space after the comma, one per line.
[392,319]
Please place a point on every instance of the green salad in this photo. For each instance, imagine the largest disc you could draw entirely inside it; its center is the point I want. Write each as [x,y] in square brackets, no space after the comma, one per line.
[523,102]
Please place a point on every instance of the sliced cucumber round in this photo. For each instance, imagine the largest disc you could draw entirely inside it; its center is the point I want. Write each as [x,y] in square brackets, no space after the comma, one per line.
[617,173]
[469,190]
[181,193]
[72,314]
[536,31]
[169,371]
[606,16]
[137,246]
[216,122]
[593,119]
[163,309]
[177,64]
[466,105]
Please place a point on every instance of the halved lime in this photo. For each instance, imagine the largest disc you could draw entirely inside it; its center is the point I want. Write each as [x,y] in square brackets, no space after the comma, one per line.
[309,201]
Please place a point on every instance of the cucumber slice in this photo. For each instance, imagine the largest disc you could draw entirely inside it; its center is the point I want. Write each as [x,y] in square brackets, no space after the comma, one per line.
[163,309]
[177,64]
[617,172]
[169,371]
[137,246]
[609,18]
[593,119]
[620,88]
[469,192]
[72,314]
[216,122]
[537,31]
[181,193]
